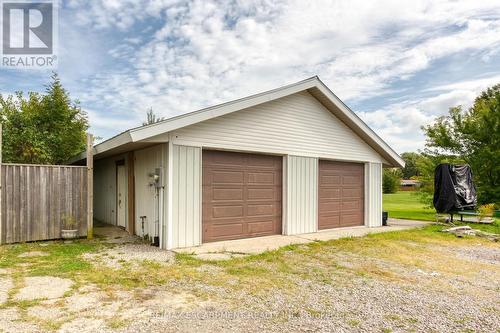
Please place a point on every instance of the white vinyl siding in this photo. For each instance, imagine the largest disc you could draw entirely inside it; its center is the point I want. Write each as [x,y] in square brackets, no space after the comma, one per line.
[301,195]
[146,196]
[294,125]
[373,191]
[105,189]
[186,196]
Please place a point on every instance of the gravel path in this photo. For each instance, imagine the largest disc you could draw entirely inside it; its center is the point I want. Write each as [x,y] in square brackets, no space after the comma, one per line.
[365,306]
[358,294]
[417,300]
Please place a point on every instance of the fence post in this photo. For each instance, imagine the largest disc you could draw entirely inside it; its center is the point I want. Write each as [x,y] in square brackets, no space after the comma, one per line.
[90,186]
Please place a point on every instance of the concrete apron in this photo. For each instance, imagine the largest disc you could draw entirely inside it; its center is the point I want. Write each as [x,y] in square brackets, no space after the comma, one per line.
[233,248]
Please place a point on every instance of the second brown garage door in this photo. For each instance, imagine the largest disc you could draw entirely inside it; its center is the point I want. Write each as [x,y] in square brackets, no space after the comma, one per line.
[341,194]
[241,195]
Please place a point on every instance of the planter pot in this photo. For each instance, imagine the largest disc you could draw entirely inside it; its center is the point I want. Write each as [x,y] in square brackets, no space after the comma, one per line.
[69,234]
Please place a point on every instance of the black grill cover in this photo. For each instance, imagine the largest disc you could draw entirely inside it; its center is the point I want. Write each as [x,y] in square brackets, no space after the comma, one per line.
[454,188]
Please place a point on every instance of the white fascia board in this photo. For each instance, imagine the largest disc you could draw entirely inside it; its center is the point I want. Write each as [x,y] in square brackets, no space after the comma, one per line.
[355,120]
[156,132]
[114,142]
[219,110]
[102,147]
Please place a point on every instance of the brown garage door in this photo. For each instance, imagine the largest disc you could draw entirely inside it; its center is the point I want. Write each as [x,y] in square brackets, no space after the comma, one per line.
[341,194]
[241,195]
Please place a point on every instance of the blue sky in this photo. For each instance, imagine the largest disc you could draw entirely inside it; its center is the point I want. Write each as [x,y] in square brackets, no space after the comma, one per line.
[397,64]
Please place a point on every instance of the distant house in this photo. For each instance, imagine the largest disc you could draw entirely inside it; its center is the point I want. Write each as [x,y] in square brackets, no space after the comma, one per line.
[287,161]
[409,185]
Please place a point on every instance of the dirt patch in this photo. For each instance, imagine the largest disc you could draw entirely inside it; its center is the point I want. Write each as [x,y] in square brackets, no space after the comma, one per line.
[130,253]
[82,302]
[46,312]
[164,300]
[84,325]
[9,322]
[5,285]
[4,271]
[41,287]
[33,254]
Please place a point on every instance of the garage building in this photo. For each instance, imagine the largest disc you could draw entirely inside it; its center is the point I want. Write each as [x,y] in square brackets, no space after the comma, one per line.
[287,161]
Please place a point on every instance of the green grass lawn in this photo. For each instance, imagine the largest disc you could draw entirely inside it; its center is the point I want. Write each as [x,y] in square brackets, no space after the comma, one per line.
[405,205]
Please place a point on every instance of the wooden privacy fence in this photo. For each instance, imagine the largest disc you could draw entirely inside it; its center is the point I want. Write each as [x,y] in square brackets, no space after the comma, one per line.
[35,199]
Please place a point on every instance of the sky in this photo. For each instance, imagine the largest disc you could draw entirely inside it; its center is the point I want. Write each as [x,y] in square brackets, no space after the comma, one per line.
[396,64]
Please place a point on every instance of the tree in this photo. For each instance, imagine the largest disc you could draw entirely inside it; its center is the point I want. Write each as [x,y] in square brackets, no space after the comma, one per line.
[391,180]
[411,165]
[42,128]
[472,136]
[152,118]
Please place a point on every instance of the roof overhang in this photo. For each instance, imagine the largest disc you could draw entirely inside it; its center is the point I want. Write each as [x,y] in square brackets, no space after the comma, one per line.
[158,132]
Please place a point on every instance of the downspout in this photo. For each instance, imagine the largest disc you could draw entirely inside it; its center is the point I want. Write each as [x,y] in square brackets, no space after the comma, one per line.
[159,226]
[168,242]
[159,185]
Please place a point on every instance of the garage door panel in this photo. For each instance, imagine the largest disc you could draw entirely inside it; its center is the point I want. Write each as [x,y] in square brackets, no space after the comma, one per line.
[330,221]
[351,219]
[241,195]
[352,193]
[227,177]
[261,228]
[330,193]
[227,194]
[227,211]
[261,210]
[341,194]
[351,180]
[221,159]
[329,206]
[330,180]
[256,161]
[261,194]
[226,231]
[352,205]
[264,178]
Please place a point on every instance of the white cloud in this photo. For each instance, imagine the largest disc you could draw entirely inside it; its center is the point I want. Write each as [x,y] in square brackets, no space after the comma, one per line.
[400,123]
[475,85]
[205,52]
[101,122]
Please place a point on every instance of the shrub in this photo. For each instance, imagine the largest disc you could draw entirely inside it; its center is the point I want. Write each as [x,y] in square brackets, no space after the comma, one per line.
[390,181]
[486,210]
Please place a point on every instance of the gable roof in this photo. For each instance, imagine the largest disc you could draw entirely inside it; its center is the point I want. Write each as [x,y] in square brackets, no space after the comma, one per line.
[143,136]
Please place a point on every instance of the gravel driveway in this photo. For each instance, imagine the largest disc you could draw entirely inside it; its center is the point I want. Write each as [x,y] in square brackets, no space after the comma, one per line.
[362,285]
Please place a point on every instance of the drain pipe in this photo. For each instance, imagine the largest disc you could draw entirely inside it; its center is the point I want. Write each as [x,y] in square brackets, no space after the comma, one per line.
[158,183]
[160,215]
